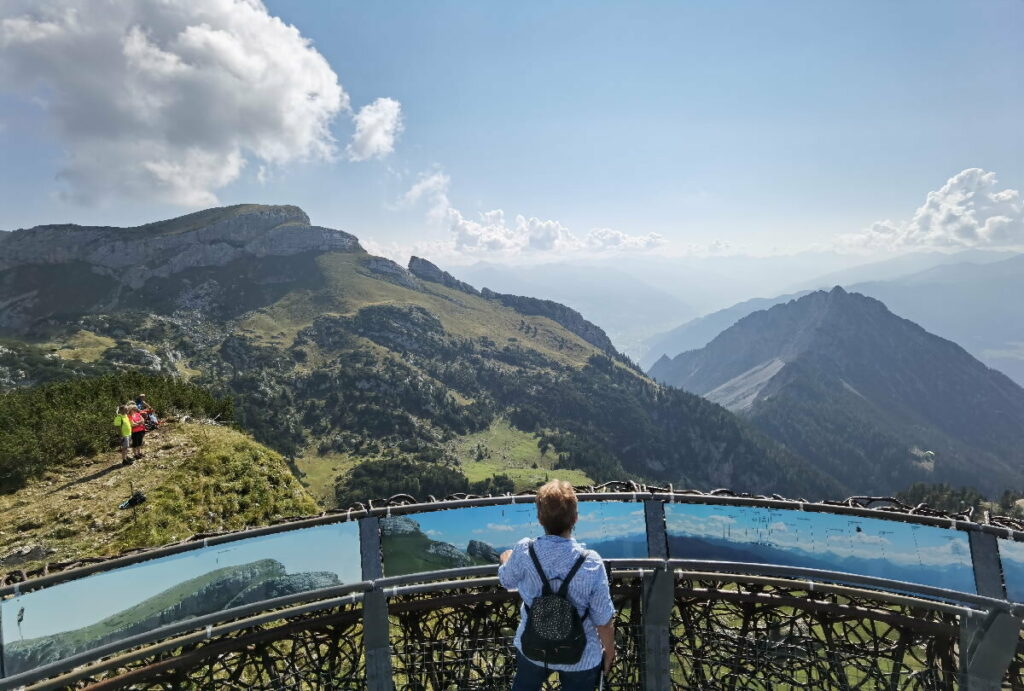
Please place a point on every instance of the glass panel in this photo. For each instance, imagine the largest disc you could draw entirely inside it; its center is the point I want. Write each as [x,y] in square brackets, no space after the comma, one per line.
[921,554]
[69,618]
[1012,555]
[473,536]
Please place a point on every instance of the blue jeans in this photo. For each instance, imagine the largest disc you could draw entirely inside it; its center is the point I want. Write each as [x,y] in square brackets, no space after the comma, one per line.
[530,677]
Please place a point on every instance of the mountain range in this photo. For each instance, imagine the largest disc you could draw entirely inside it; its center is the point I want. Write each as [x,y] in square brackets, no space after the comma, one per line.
[340,359]
[964,297]
[872,399]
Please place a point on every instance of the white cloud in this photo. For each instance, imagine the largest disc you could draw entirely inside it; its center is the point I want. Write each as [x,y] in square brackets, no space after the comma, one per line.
[377,126]
[968,211]
[433,189]
[493,233]
[608,238]
[168,99]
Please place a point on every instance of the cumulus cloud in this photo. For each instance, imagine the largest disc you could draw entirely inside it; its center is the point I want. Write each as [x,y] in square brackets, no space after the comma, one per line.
[432,189]
[608,238]
[377,126]
[968,211]
[168,99]
[492,232]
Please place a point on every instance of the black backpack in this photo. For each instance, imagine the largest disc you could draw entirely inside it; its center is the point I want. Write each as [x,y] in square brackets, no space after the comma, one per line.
[554,632]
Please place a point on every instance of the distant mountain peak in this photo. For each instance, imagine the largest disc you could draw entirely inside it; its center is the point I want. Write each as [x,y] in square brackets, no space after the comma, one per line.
[841,379]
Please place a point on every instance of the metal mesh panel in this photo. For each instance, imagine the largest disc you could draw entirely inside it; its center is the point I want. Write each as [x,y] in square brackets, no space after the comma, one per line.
[464,640]
[319,651]
[771,638]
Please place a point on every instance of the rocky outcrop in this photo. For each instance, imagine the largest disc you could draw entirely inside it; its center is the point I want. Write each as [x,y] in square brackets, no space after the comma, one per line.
[214,237]
[566,316]
[282,586]
[390,271]
[399,525]
[482,552]
[426,271]
[451,555]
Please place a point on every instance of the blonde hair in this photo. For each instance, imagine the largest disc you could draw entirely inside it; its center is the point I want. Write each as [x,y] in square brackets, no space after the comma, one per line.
[556,507]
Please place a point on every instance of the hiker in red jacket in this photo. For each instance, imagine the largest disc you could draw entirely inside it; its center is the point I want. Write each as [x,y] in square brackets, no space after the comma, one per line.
[138,429]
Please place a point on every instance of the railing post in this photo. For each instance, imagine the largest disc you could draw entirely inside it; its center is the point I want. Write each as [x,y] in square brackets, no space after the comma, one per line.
[2,672]
[658,590]
[988,572]
[376,626]
[988,642]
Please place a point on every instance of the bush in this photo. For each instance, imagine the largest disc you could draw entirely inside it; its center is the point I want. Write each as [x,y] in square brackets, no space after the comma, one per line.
[48,425]
[380,479]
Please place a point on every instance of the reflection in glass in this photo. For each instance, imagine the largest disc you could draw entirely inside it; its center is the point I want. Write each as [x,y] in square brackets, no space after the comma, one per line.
[921,554]
[455,538]
[1012,555]
[69,618]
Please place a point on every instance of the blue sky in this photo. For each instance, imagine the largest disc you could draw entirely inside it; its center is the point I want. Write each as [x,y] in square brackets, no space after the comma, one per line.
[825,535]
[759,126]
[503,526]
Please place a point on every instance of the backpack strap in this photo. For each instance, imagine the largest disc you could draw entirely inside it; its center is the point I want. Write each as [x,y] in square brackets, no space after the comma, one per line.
[540,570]
[563,589]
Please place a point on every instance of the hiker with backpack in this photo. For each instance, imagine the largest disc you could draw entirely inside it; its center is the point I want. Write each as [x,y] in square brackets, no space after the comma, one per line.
[567,618]
[138,429]
[123,424]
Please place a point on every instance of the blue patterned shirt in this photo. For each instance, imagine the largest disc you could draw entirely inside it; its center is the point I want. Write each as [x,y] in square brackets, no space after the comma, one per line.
[588,588]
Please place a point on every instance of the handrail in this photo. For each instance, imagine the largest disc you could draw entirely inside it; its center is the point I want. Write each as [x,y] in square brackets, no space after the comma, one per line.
[301,603]
[198,629]
[199,542]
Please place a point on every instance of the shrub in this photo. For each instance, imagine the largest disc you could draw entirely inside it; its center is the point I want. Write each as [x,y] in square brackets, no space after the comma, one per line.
[48,425]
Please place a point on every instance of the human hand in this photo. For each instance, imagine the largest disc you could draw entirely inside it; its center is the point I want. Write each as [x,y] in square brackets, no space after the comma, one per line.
[505,555]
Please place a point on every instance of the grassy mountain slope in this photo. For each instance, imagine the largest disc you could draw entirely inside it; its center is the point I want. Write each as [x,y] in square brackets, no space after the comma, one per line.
[197,477]
[340,359]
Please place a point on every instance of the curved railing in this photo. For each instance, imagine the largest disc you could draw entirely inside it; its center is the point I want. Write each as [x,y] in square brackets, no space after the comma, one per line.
[711,590]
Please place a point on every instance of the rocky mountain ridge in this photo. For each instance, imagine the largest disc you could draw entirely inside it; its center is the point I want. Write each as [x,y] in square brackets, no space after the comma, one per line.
[135,255]
[874,399]
[340,359]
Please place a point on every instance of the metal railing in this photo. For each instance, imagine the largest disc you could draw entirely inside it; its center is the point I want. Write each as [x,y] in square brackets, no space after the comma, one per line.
[682,623]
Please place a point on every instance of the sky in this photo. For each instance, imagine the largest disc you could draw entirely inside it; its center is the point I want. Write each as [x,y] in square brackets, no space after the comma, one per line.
[824,535]
[514,132]
[503,526]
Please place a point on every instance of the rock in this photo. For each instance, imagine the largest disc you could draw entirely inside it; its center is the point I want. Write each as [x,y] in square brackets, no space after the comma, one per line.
[390,271]
[482,551]
[454,557]
[213,237]
[566,316]
[398,525]
[24,555]
[284,585]
[426,271]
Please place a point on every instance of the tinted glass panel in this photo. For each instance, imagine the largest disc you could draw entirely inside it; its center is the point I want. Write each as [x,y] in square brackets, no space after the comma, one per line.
[865,546]
[473,536]
[54,623]
[1012,555]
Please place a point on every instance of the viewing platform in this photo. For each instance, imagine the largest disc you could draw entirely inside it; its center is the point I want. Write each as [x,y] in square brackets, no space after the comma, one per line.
[712,591]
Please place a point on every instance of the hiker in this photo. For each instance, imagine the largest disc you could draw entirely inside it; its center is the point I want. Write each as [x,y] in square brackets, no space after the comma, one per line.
[147,411]
[124,425]
[567,618]
[138,430]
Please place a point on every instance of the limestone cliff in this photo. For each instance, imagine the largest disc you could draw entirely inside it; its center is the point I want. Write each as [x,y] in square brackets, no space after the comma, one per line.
[566,316]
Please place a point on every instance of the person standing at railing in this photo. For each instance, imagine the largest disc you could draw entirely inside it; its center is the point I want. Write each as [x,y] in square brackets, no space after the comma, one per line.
[546,571]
